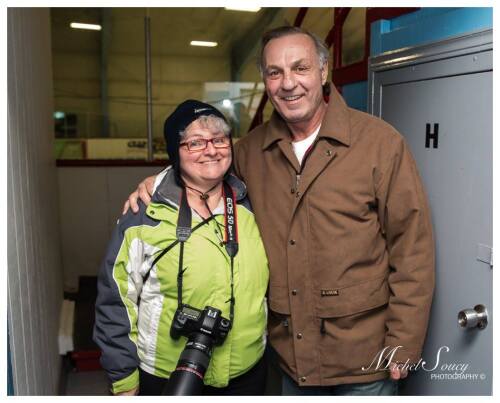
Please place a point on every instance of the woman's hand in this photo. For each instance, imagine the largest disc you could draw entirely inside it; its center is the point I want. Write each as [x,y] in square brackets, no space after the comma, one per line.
[132,392]
[143,192]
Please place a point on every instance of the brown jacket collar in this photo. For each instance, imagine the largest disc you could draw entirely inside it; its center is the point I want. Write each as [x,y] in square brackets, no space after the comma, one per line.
[335,124]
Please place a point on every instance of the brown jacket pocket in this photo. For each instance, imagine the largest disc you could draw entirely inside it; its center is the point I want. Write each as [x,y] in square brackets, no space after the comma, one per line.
[331,302]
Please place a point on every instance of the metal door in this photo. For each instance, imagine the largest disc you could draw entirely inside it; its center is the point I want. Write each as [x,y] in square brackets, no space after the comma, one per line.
[439,97]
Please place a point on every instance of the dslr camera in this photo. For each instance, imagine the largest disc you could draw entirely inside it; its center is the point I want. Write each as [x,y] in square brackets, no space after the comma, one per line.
[204,329]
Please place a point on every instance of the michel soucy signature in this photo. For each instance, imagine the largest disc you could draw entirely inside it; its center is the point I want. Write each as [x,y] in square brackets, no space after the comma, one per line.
[383,359]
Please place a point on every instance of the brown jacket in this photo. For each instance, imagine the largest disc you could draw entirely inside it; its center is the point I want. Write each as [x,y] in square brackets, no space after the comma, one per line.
[349,244]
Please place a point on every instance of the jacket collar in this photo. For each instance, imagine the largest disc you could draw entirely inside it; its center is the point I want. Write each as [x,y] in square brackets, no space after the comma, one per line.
[168,191]
[335,123]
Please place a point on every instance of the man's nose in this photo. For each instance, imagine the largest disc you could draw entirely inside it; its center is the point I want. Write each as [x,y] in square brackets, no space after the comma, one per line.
[289,82]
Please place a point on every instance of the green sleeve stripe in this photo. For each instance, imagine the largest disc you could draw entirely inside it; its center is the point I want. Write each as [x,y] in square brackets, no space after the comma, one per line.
[126,384]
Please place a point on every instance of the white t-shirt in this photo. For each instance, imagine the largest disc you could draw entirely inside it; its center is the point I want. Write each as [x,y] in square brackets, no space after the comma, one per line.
[300,147]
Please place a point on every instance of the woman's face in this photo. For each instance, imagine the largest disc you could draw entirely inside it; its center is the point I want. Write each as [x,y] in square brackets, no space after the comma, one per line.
[206,167]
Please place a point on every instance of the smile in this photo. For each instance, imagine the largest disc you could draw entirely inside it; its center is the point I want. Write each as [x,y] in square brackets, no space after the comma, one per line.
[291,98]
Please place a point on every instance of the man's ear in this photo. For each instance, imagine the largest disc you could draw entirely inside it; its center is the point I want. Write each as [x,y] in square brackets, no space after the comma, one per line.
[324,73]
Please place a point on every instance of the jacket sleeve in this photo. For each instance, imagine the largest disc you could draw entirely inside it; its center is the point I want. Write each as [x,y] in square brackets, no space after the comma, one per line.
[238,160]
[405,220]
[118,287]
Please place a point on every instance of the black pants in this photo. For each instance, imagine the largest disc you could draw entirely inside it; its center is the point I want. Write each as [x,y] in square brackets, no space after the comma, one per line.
[251,383]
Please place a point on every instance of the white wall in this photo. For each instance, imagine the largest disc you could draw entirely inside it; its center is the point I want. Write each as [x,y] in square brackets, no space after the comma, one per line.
[34,265]
[91,200]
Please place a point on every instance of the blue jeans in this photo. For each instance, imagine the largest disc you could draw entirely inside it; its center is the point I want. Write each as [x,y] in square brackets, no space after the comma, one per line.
[384,387]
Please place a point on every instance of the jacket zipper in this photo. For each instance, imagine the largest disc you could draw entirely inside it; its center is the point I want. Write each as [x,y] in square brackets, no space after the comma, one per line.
[297,180]
[302,165]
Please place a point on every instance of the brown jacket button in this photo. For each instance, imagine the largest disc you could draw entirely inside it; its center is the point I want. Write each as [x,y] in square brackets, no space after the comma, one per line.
[294,292]
[299,336]
[292,241]
[302,379]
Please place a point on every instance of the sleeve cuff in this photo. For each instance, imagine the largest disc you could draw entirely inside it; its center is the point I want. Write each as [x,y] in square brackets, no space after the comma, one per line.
[128,383]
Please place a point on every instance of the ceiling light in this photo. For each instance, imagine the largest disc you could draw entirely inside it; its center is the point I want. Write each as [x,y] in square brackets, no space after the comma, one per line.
[249,9]
[203,43]
[226,103]
[79,25]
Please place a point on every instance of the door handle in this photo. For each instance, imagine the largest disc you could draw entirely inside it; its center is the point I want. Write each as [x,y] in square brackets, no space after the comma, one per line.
[473,318]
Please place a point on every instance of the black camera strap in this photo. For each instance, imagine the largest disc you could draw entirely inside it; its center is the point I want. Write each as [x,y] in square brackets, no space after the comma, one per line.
[231,237]
[184,231]
[167,249]
[231,232]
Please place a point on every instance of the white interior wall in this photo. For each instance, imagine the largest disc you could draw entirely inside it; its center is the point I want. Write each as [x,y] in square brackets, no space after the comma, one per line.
[91,200]
[34,266]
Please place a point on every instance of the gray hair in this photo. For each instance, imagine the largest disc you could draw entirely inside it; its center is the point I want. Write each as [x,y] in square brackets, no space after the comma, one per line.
[211,122]
[321,49]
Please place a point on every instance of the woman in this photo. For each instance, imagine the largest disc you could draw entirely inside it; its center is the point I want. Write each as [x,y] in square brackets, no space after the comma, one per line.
[192,233]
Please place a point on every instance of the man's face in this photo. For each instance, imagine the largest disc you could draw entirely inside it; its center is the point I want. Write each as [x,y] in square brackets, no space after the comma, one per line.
[293,77]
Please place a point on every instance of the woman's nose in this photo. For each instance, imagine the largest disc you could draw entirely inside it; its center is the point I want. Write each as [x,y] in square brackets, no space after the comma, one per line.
[210,149]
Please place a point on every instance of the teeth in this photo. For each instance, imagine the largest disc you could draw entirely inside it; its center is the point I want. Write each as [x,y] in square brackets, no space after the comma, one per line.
[291,98]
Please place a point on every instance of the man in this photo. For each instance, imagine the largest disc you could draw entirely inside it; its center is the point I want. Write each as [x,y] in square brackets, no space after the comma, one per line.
[346,227]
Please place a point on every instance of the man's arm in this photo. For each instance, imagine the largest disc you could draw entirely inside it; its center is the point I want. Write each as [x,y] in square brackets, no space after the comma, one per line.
[144,191]
[405,221]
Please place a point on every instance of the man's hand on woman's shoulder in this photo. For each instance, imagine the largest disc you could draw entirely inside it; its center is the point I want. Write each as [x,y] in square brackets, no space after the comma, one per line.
[144,191]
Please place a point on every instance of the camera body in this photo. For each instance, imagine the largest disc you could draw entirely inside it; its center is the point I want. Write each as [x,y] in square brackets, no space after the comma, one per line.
[208,321]
[204,329]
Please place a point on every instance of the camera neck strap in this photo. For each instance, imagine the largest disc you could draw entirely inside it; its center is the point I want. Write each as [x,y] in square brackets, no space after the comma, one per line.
[183,232]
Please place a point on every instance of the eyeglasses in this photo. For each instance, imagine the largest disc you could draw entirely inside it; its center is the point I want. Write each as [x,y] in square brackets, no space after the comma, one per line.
[200,144]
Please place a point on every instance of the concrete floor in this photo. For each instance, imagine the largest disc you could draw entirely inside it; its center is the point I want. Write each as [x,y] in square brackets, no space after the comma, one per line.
[85,383]
[95,383]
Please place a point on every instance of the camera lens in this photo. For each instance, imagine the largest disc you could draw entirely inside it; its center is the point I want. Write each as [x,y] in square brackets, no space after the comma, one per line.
[187,379]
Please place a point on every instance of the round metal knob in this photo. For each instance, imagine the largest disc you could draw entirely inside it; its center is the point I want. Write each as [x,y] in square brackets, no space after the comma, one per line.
[473,318]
